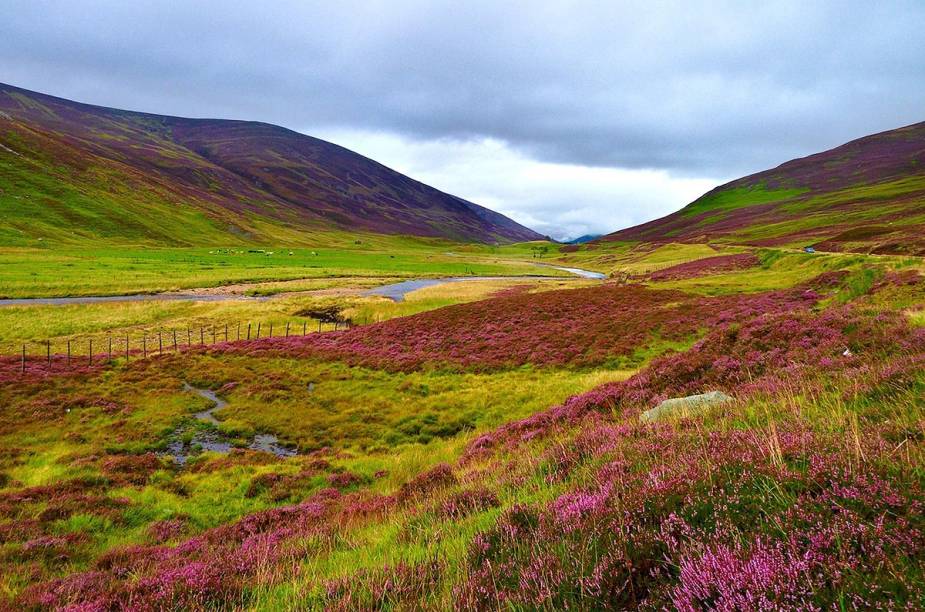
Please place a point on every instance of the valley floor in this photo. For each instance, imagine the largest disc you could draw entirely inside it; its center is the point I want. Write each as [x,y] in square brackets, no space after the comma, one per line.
[479,445]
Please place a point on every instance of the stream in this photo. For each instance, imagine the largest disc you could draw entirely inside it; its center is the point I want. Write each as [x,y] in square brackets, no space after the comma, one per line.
[212,440]
[580,272]
[398,291]
[394,291]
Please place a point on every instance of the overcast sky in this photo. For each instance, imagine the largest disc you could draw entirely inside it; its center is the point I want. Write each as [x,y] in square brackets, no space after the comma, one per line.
[571,117]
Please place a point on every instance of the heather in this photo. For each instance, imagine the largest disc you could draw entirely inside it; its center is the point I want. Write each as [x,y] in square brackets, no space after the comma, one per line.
[441,479]
[583,506]
[612,325]
[693,520]
[86,463]
[707,265]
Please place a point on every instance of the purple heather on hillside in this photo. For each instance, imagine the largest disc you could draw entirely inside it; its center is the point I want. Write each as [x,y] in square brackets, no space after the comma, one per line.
[230,171]
[867,195]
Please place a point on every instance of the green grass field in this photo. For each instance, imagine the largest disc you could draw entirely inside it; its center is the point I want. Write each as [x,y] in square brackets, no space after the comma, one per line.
[115,271]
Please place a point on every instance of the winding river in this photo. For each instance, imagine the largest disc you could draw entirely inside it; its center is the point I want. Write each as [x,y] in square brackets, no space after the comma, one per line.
[394,291]
[398,291]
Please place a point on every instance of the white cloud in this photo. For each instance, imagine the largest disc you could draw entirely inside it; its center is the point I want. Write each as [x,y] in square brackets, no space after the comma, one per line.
[562,200]
[702,89]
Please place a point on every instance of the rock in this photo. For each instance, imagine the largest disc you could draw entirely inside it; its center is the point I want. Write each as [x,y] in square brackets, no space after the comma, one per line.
[685,406]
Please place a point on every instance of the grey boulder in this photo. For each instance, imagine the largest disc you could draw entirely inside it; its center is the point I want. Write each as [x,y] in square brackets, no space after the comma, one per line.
[679,407]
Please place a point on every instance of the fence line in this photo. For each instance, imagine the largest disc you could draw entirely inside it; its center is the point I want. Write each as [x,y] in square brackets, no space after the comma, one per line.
[74,357]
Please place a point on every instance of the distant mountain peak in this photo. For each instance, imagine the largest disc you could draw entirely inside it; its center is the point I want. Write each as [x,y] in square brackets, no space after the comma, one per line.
[583,239]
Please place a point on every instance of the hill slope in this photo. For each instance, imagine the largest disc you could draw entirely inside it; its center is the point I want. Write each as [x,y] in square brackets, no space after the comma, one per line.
[70,172]
[867,195]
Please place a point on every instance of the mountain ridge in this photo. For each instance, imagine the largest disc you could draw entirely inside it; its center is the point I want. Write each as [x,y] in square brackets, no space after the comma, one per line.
[115,171]
[865,195]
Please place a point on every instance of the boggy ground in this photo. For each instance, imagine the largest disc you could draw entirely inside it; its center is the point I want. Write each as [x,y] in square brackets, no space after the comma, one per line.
[436,470]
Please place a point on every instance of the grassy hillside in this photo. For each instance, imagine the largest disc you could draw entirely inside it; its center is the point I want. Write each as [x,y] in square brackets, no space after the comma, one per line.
[867,195]
[77,174]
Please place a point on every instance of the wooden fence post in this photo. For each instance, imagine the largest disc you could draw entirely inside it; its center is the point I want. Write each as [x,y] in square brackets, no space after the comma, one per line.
[189,338]
[91,351]
[258,330]
[319,326]
[248,331]
[144,346]
[160,342]
[126,348]
[226,332]
[271,329]
[110,347]
[23,367]
[202,337]
[176,349]
[287,329]
[304,327]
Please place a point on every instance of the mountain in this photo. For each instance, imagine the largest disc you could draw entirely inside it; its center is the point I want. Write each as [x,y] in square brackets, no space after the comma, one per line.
[583,239]
[72,172]
[866,195]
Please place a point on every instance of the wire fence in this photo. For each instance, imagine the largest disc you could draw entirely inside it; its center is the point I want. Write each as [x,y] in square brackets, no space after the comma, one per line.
[127,346]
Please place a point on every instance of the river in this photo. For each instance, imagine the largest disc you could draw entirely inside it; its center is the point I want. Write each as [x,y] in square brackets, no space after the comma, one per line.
[394,291]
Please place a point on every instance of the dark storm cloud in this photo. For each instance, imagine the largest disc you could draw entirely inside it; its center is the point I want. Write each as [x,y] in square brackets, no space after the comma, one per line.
[711,89]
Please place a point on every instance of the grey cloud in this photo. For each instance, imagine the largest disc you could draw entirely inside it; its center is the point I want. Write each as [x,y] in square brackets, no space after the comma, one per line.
[712,89]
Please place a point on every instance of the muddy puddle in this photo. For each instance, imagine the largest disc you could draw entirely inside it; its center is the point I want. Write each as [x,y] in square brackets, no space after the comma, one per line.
[212,440]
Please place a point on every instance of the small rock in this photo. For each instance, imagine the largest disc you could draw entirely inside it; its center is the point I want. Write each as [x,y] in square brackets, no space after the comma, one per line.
[684,406]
